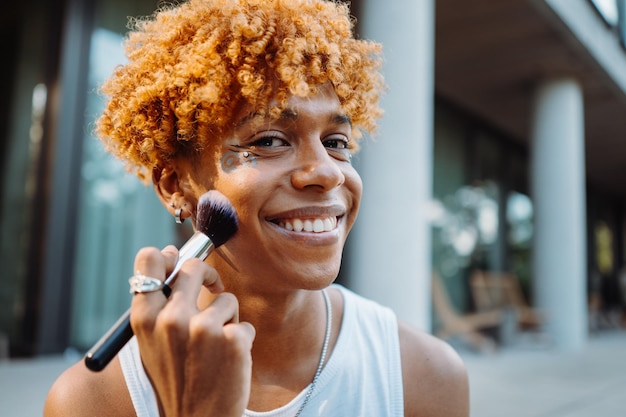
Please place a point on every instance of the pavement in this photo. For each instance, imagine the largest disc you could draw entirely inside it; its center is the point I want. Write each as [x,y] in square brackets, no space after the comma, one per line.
[525,379]
[24,383]
[536,380]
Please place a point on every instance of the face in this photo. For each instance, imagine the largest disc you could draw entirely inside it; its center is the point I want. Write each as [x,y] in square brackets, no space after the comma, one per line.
[295,191]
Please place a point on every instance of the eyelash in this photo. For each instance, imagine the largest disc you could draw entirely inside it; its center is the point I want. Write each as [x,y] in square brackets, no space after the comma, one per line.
[264,146]
[344,142]
[259,142]
[337,142]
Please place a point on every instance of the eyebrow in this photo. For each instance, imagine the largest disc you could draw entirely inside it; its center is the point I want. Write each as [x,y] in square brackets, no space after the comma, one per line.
[292,115]
[246,119]
[335,118]
[341,119]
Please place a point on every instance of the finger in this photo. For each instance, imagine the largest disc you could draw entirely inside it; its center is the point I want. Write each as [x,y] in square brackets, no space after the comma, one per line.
[197,270]
[244,331]
[170,253]
[213,281]
[151,262]
[224,309]
[189,280]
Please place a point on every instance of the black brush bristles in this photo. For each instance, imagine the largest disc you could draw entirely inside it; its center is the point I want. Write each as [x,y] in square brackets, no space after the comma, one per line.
[216,217]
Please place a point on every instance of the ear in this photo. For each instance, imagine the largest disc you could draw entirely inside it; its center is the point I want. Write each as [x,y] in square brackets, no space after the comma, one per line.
[167,186]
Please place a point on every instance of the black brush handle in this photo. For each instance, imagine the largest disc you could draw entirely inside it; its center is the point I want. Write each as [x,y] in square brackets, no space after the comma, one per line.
[110,344]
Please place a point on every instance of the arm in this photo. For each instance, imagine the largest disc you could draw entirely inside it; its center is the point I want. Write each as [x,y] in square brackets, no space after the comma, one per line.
[434,376]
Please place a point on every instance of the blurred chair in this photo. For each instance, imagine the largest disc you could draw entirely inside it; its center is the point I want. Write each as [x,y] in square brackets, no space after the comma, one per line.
[501,290]
[467,327]
[607,301]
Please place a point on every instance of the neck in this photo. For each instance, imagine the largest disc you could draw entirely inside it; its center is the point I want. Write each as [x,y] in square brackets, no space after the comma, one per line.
[288,325]
[290,335]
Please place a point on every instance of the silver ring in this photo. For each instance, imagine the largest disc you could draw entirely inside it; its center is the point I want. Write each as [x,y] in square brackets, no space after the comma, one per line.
[141,284]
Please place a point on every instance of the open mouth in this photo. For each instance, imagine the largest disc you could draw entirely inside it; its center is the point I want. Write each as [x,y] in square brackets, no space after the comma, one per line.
[308,225]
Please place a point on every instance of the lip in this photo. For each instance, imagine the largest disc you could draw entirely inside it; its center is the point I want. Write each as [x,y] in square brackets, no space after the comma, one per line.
[309,238]
[335,210]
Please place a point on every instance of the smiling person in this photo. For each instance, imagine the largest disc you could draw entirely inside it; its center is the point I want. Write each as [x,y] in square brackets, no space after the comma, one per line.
[264,101]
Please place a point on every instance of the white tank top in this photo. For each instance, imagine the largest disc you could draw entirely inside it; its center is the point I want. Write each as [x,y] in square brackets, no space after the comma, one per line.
[363,376]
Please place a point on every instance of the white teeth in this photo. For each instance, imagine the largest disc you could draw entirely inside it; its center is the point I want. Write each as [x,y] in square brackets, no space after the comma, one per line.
[310,225]
[318,225]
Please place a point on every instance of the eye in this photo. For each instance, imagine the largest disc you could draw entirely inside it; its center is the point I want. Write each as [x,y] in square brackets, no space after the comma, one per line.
[338,147]
[266,145]
[338,143]
[269,141]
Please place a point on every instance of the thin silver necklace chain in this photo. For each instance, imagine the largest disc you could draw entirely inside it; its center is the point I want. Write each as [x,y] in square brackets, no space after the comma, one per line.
[320,365]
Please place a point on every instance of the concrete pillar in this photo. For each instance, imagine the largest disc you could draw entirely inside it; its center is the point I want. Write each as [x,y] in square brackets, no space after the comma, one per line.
[389,251]
[621,21]
[558,186]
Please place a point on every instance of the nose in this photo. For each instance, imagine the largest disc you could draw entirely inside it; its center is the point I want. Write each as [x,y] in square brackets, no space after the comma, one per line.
[316,169]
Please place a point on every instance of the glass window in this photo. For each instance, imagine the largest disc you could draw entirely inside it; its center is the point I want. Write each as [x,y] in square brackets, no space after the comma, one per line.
[450,174]
[481,218]
[118,214]
[519,218]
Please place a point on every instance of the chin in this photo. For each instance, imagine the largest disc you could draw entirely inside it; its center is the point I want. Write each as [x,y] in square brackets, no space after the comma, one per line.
[316,278]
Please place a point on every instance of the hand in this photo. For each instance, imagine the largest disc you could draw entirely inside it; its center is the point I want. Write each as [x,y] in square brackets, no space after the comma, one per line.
[198,361]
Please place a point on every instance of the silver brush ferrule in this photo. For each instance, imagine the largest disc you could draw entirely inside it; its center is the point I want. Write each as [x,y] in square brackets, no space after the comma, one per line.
[198,246]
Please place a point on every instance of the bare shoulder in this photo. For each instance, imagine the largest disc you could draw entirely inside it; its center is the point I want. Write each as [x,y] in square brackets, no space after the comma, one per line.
[81,392]
[434,376]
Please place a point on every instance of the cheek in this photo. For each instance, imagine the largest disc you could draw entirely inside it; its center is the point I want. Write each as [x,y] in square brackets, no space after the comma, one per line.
[242,185]
[231,161]
[354,187]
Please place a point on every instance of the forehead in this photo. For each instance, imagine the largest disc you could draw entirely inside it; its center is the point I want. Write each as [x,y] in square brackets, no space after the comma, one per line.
[323,102]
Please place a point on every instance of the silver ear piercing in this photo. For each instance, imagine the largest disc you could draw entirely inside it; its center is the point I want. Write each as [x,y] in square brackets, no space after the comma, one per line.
[177,214]
[177,217]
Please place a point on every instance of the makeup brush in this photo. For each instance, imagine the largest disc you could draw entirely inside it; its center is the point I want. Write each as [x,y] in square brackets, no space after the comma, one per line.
[216,223]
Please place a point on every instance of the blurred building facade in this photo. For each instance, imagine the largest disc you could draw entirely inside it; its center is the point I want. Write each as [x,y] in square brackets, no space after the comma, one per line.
[503,148]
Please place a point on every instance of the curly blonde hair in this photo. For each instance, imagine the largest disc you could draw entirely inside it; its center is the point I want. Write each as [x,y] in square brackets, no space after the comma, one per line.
[190,67]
